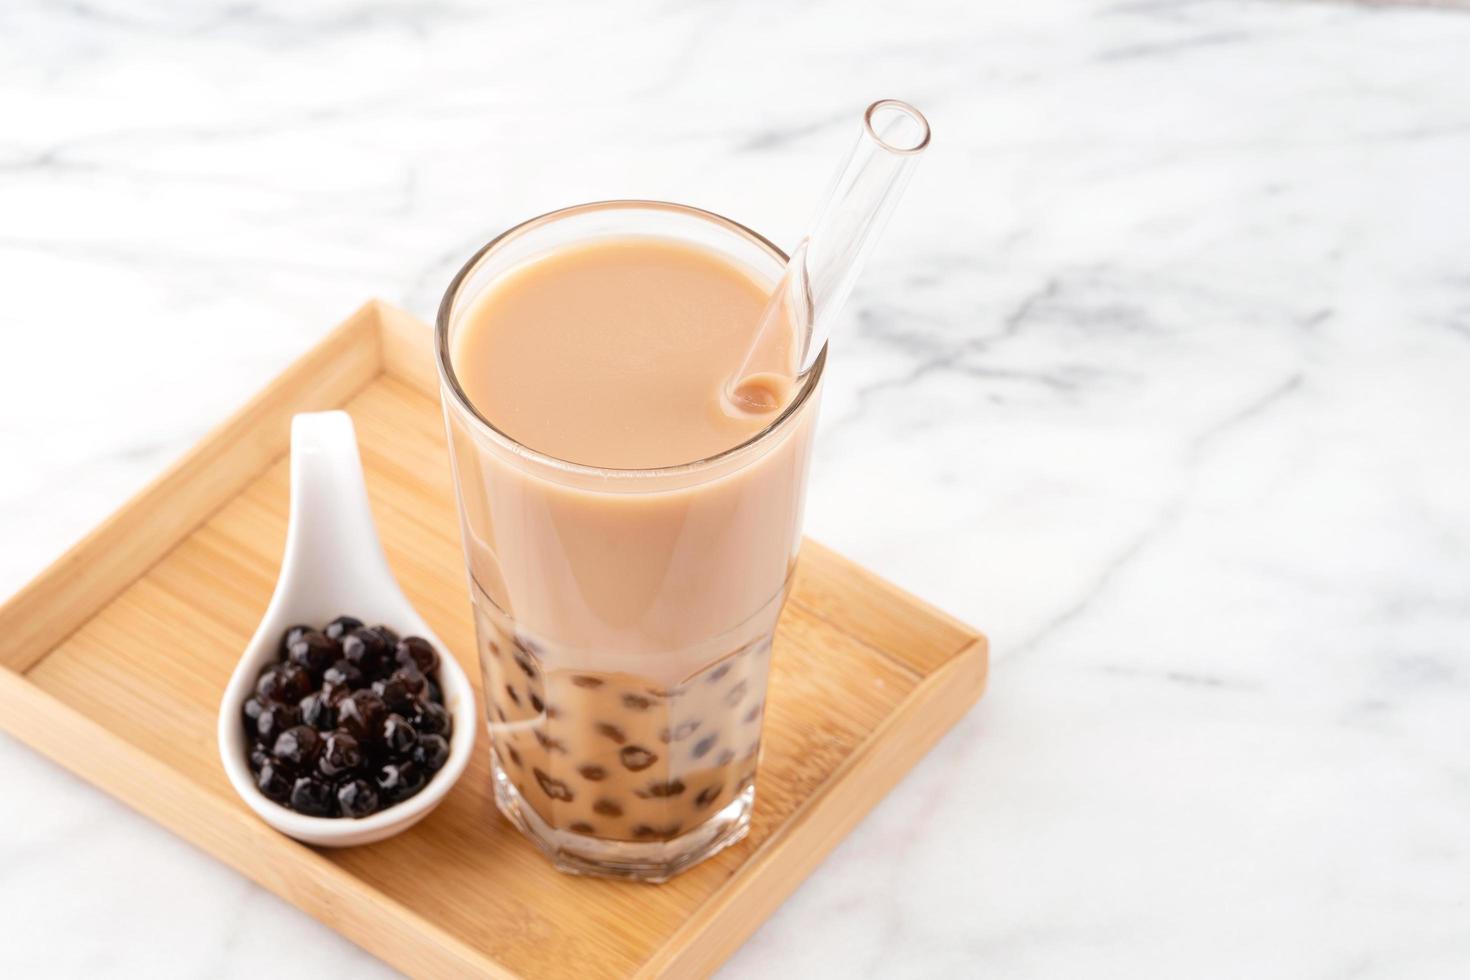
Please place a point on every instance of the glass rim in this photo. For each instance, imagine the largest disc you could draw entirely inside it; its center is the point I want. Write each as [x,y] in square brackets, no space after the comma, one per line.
[449,381]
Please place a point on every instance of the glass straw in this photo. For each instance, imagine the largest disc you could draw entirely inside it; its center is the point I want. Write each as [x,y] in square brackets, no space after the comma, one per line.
[824,267]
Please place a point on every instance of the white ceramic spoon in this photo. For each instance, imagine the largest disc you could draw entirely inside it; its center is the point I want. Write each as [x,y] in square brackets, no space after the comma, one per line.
[334,565]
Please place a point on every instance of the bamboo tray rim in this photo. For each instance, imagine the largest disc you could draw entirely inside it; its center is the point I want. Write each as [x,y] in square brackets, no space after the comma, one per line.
[380,340]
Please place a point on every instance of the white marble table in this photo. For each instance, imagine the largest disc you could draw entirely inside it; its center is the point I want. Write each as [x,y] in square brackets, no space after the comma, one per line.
[1162,377]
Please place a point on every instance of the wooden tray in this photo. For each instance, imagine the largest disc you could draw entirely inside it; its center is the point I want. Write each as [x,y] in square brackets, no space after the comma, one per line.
[115,657]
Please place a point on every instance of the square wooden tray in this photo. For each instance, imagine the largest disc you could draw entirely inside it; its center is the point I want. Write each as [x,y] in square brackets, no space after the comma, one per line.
[114,660]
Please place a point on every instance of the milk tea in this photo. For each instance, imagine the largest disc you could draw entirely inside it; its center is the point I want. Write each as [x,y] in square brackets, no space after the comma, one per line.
[624,619]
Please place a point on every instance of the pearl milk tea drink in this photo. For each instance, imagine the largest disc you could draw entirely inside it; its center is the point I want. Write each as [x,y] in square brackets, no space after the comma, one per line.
[630,537]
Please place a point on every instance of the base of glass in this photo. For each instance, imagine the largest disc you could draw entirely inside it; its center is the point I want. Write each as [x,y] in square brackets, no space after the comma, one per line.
[630,860]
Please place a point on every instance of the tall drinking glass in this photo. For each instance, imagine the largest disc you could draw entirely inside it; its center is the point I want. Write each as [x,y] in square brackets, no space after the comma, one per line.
[625,616]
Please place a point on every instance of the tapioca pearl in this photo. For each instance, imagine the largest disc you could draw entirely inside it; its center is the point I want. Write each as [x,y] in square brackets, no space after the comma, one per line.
[637,702]
[636,758]
[718,674]
[608,808]
[582,827]
[661,790]
[593,773]
[702,747]
[537,705]
[645,832]
[725,757]
[515,756]
[707,796]
[500,714]
[526,667]
[679,732]
[736,694]
[552,787]
[493,648]
[514,696]
[754,712]
[611,731]
[550,743]
[587,681]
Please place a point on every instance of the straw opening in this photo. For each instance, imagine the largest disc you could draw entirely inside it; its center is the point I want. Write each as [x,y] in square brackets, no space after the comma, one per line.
[897,126]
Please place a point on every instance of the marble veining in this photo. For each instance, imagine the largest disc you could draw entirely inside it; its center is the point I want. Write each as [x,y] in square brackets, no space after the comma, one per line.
[1161,377]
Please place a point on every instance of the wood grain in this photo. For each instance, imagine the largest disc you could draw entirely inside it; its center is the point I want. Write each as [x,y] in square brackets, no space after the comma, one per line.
[123,688]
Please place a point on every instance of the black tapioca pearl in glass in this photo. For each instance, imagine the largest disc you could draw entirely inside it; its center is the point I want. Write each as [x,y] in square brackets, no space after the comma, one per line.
[417,652]
[589,682]
[500,713]
[312,652]
[754,712]
[661,790]
[644,832]
[679,732]
[515,698]
[432,692]
[537,705]
[637,758]
[341,626]
[515,756]
[593,773]
[292,634]
[725,757]
[552,787]
[550,743]
[390,637]
[637,702]
[582,827]
[608,808]
[736,694]
[707,796]
[494,648]
[702,747]
[718,674]
[611,731]
[526,667]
